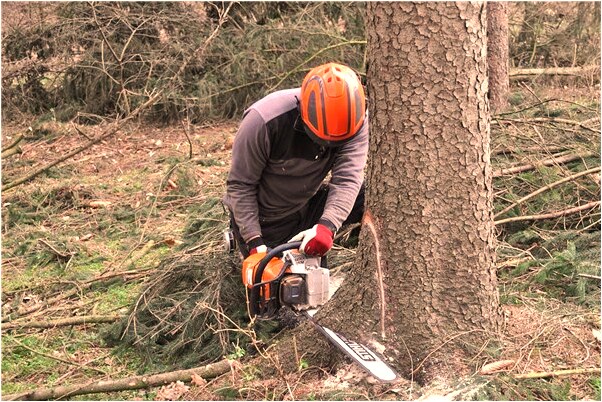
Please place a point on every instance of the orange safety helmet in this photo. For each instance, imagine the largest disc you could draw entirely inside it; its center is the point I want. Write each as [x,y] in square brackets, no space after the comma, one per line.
[333,104]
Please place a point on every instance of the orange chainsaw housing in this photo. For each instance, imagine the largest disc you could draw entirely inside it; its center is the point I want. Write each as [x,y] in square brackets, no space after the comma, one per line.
[271,271]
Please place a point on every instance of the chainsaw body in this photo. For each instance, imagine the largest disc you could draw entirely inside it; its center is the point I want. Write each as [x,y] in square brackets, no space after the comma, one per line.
[284,277]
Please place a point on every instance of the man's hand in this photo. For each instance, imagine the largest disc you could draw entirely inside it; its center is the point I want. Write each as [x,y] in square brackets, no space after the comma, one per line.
[315,241]
[259,249]
[256,245]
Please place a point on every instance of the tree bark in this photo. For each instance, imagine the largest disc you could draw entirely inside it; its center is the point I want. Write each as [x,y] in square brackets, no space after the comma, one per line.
[423,284]
[497,54]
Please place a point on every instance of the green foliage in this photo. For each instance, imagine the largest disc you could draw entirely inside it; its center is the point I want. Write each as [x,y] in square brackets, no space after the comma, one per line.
[515,98]
[558,268]
[237,353]
[208,219]
[22,362]
[113,53]
[303,364]
[595,384]
[503,387]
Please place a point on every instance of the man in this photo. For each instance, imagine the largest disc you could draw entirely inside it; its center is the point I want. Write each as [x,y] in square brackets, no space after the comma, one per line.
[285,147]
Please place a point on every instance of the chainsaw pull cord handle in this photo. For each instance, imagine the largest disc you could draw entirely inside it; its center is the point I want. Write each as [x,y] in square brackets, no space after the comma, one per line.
[254,293]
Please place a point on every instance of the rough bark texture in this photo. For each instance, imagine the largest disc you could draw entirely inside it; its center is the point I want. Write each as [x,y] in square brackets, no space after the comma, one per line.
[424,273]
[497,54]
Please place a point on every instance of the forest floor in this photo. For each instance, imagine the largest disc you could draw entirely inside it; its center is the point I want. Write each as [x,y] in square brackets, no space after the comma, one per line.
[84,237]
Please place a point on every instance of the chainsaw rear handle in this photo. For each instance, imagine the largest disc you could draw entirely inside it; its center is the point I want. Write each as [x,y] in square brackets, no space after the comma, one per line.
[271,254]
[254,293]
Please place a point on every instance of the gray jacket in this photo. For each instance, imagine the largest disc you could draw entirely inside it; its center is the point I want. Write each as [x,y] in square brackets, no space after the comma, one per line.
[276,168]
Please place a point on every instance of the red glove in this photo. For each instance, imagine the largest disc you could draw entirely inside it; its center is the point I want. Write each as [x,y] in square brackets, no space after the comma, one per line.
[259,249]
[315,241]
[256,245]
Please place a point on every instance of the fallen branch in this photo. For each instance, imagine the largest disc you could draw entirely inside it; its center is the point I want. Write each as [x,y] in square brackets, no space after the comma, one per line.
[13,144]
[547,187]
[63,322]
[13,148]
[10,152]
[117,126]
[539,150]
[551,215]
[520,72]
[124,384]
[559,373]
[550,120]
[547,162]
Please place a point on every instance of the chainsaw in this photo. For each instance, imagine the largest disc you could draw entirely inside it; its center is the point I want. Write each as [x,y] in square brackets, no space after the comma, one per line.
[286,277]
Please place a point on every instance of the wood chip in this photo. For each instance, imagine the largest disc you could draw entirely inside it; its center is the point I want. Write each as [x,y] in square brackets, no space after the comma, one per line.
[496,366]
[99,204]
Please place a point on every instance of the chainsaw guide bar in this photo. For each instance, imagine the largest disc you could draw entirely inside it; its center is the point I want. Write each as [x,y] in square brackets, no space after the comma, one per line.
[361,354]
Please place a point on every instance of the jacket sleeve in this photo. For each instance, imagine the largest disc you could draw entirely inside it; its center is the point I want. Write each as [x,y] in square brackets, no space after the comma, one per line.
[250,153]
[346,180]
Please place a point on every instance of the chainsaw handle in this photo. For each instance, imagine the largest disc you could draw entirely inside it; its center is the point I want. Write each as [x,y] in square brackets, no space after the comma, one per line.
[271,254]
[254,292]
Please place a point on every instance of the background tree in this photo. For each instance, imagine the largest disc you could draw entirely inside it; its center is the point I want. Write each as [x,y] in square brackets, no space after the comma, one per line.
[424,272]
[497,54]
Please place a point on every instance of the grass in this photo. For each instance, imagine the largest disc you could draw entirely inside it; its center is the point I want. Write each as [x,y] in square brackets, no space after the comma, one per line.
[115,297]
[552,256]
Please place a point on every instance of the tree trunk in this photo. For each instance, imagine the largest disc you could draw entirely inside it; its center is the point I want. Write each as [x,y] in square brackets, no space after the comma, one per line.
[424,283]
[497,54]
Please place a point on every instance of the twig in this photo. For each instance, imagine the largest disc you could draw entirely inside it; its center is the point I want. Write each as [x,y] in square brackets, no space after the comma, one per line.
[551,215]
[130,383]
[590,276]
[451,338]
[186,129]
[56,252]
[559,373]
[538,104]
[117,126]
[128,275]
[313,56]
[57,358]
[81,132]
[347,230]
[63,322]
[547,162]
[547,187]
[198,53]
